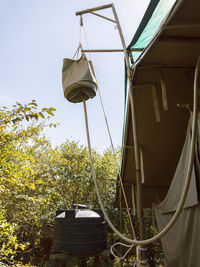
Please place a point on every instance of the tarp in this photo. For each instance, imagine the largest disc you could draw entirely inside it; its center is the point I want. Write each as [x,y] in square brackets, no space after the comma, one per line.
[154,15]
[181,243]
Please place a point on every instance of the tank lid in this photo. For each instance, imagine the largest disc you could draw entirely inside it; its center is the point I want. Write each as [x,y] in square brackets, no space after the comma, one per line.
[79,206]
[86,214]
[61,215]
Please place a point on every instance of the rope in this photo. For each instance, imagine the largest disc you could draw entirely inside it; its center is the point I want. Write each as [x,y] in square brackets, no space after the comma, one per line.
[122,244]
[138,261]
[188,176]
[77,51]
[80,40]
[110,137]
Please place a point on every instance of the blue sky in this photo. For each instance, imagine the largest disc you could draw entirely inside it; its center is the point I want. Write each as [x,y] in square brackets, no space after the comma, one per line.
[35,36]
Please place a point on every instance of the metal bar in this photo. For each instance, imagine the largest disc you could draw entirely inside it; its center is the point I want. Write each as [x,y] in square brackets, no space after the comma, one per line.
[155,67]
[133,199]
[92,9]
[181,26]
[142,166]
[181,39]
[103,17]
[134,125]
[143,85]
[153,217]
[102,50]
[120,218]
[128,147]
[146,186]
[109,50]
[135,50]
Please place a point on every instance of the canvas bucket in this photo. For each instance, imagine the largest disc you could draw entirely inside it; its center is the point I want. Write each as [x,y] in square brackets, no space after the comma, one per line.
[78,79]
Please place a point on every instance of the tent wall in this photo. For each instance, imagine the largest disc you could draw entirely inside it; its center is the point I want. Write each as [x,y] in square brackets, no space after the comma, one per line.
[181,243]
[160,142]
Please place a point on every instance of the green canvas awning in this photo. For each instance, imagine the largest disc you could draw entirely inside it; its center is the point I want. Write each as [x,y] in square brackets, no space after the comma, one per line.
[163,78]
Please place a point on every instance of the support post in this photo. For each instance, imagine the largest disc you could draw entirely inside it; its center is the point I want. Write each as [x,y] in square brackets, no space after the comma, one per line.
[133,115]
[135,135]
[120,219]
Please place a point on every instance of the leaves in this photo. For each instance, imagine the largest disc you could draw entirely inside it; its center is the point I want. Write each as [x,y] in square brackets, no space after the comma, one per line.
[19,180]
[36,180]
[20,112]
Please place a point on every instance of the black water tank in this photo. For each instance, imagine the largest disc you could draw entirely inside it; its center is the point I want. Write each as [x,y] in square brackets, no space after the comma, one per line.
[79,232]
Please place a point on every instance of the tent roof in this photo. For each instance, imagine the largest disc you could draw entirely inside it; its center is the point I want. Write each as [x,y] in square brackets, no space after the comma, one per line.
[163,77]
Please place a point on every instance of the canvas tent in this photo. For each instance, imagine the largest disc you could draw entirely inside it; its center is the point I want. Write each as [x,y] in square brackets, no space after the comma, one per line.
[163,78]
[181,242]
[163,75]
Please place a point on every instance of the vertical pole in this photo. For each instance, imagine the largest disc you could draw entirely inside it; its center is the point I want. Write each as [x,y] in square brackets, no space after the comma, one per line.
[120,218]
[120,208]
[135,136]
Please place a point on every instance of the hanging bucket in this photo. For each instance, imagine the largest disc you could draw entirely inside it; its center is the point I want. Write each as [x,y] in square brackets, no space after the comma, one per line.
[78,79]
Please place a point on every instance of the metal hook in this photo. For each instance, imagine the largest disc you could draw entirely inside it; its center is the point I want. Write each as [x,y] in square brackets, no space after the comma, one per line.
[81,20]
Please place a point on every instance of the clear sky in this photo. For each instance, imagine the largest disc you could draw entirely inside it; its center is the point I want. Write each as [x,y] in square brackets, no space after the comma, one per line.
[35,36]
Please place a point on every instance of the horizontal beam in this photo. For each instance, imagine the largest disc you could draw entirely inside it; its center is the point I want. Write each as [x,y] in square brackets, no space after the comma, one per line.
[101,50]
[157,67]
[109,50]
[93,9]
[181,26]
[128,147]
[180,39]
[145,186]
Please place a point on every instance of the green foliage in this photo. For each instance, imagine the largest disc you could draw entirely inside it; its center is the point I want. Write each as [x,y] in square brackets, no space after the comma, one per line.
[17,174]
[8,240]
[36,180]
[75,179]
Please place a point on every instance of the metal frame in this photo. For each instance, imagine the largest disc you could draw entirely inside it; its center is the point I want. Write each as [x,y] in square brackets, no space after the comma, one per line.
[133,113]
[110,50]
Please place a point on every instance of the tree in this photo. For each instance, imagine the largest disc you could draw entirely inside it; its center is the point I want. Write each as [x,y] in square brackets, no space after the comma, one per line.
[17,181]
[36,180]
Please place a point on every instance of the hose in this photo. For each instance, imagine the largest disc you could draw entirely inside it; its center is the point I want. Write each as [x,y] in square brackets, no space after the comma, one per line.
[187,181]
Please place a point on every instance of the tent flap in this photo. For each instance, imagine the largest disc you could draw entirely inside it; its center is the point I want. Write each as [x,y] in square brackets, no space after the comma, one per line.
[173,196]
[181,243]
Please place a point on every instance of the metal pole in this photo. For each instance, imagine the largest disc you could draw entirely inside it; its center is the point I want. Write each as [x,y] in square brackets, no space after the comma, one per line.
[102,50]
[93,9]
[120,219]
[135,135]
[103,17]
[109,50]
[133,115]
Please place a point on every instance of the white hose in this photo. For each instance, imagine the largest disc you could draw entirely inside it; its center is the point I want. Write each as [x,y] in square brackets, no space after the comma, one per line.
[109,134]
[187,181]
